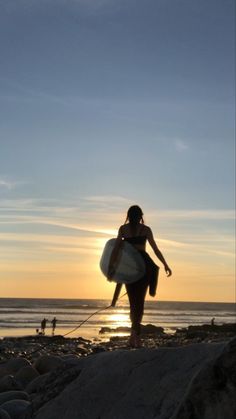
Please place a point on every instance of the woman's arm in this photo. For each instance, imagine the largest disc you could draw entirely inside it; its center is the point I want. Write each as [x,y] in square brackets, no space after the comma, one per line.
[157,251]
[114,254]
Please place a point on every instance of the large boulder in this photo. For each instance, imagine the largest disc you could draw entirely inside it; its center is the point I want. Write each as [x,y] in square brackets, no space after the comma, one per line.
[143,384]
[212,392]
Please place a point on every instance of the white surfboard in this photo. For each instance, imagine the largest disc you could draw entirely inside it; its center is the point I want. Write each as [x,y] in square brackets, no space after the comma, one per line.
[130,266]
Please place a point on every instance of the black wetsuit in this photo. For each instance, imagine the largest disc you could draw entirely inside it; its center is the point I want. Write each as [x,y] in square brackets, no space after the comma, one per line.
[137,290]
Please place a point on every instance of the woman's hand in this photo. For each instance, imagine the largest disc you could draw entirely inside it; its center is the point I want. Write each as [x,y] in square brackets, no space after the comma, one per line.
[168,270]
[111,271]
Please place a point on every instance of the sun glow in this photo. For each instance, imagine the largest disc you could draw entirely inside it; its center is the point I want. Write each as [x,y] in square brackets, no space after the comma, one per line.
[119,319]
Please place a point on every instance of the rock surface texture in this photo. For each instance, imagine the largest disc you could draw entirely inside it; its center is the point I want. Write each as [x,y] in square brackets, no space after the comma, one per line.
[112,381]
[196,381]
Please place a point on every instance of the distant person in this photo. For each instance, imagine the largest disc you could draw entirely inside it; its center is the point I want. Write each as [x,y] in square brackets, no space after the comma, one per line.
[213,321]
[54,323]
[43,326]
[135,232]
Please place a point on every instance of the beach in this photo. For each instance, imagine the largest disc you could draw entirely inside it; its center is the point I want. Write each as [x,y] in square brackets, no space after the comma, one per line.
[36,372]
[70,373]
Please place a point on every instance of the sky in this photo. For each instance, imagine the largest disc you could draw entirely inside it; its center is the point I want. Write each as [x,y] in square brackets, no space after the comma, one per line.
[105,104]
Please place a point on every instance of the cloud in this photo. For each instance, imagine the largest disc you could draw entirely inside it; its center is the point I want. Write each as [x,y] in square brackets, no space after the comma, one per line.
[209,214]
[108,199]
[10,184]
[6,184]
[180,145]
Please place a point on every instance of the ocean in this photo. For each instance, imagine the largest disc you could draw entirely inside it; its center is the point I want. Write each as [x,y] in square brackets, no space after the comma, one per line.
[22,316]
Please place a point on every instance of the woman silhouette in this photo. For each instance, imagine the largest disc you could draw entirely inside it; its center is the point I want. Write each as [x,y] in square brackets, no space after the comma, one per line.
[137,233]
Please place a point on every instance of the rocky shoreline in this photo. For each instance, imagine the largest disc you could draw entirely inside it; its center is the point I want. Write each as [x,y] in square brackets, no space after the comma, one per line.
[35,371]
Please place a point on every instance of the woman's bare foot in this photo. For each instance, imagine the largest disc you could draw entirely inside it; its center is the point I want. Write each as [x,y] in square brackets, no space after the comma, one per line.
[134,340]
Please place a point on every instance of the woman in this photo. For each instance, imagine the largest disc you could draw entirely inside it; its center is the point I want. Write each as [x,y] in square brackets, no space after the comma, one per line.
[137,233]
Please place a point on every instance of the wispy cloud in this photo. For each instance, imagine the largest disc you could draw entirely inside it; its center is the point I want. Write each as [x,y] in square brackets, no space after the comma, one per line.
[6,183]
[209,214]
[108,199]
[181,145]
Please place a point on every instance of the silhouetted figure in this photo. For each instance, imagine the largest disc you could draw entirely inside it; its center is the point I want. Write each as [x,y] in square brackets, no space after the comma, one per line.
[213,321]
[137,233]
[43,325]
[54,323]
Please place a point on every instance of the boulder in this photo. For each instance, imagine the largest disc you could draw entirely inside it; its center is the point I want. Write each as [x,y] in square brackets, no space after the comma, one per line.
[4,370]
[9,383]
[150,329]
[13,395]
[15,364]
[211,393]
[4,414]
[37,384]
[144,384]
[47,363]
[16,408]
[25,375]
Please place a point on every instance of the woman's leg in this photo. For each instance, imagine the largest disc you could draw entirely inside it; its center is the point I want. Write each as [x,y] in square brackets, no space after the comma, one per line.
[136,293]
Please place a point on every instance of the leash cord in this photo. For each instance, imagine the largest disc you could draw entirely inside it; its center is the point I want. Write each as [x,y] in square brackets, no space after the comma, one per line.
[77,327]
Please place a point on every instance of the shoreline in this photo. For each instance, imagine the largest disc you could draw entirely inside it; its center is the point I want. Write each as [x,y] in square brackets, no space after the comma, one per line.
[33,346]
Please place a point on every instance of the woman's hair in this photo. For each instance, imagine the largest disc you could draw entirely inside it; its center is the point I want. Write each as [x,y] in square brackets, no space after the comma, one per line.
[134,215]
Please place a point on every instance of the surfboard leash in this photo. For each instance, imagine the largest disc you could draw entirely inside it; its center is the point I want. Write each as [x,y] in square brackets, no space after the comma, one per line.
[76,328]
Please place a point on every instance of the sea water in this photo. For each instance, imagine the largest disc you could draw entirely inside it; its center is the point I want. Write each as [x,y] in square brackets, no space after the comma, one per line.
[22,316]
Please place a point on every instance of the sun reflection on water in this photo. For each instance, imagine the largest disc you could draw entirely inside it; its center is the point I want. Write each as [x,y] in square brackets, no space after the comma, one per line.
[119,319]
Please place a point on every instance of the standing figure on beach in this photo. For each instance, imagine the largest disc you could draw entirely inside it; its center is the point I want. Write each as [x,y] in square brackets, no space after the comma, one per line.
[54,323]
[137,234]
[43,326]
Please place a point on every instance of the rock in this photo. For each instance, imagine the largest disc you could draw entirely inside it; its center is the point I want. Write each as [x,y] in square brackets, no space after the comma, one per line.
[8,383]
[227,329]
[4,414]
[56,382]
[3,372]
[150,329]
[16,408]
[25,375]
[37,384]
[70,357]
[47,363]
[120,329]
[132,384]
[211,393]
[145,330]
[15,364]
[13,395]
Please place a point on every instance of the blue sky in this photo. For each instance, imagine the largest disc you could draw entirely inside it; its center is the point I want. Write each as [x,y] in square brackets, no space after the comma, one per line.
[108,103]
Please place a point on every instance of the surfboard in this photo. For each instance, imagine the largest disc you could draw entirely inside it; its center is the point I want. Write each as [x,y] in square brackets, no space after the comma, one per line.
[130,266]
